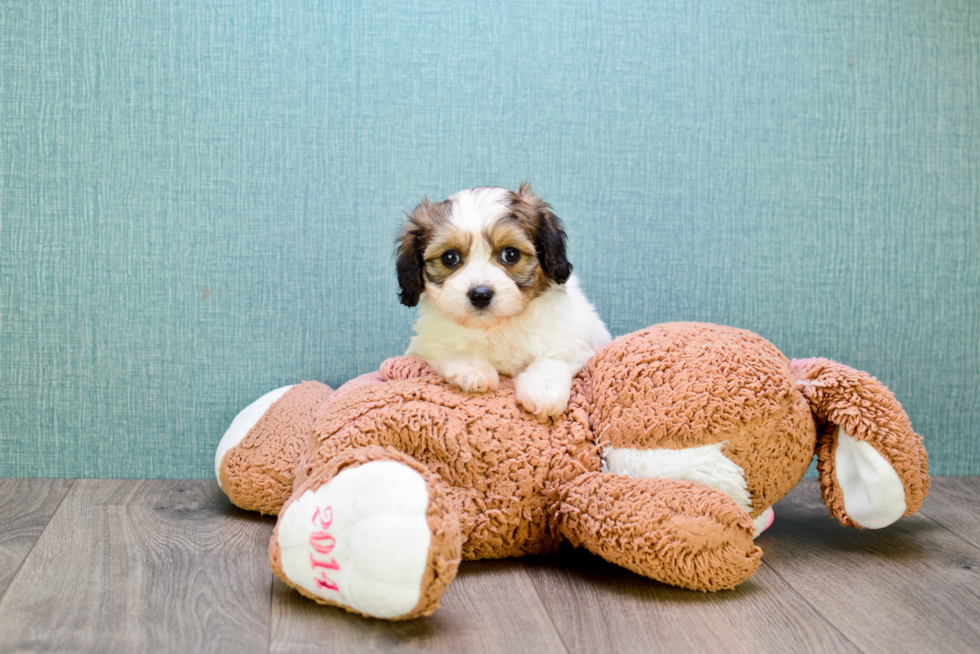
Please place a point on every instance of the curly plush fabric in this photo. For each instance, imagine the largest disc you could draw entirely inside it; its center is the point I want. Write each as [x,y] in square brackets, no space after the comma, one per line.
[678,532]
[856,402]
[501,483]
[444,553]
[682,385]
[494,459]
[258,473]
[301,467]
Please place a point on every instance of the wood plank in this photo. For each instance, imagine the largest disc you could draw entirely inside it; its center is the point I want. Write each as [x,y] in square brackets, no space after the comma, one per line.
[491,606]
[26,506]
[911,587]
[954,502]
[143,566]
[163,565]
[598,606]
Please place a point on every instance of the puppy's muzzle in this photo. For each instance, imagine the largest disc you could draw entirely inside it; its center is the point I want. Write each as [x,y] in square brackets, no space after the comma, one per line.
[480,296]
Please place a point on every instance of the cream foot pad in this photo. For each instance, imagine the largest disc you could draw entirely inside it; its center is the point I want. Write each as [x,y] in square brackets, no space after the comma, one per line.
[360,540]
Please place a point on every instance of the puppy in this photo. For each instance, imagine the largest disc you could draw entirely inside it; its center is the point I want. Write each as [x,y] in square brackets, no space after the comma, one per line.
[496,294]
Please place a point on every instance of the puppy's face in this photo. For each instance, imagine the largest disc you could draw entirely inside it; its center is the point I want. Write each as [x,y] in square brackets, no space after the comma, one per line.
[482,255]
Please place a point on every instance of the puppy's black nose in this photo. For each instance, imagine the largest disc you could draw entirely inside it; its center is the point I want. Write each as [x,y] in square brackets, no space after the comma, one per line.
[480,296]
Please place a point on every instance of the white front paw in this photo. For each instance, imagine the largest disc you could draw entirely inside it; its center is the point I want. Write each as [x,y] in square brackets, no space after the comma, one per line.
[473,376]
[544,390]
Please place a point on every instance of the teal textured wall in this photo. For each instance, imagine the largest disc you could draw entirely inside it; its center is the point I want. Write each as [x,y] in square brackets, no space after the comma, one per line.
[197,199]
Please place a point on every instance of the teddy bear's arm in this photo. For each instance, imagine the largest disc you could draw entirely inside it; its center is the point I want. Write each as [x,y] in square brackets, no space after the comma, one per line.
[677,532]
[873,467]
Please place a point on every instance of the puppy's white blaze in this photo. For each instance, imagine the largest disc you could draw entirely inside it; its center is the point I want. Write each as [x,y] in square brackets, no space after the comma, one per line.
[476,208]
[242,424]
[479,256]
[473,211]
[378,539]
[703,465]
[874,496]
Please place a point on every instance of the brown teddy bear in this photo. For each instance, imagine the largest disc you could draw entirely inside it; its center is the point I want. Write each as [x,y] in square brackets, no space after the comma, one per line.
[677,441]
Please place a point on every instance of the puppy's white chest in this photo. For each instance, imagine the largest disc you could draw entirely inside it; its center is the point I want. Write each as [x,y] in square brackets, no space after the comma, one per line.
[509,355]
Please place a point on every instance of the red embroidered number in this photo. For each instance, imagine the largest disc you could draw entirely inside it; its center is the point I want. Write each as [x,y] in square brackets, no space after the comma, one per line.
[323,543]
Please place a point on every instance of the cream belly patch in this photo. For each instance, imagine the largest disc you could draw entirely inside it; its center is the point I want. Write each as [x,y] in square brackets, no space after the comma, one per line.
[703,465]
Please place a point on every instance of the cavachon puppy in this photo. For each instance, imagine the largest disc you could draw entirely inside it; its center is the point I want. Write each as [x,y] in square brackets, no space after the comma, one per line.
[496,294]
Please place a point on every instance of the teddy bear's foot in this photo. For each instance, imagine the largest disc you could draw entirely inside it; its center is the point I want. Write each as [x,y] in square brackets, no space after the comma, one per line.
[376,538]
[764,521]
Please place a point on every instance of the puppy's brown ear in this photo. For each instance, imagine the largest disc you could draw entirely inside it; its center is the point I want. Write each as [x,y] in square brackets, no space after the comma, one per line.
[408,249]
[549,235]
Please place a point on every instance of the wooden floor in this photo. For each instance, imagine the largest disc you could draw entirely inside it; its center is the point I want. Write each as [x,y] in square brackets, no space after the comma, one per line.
[146,566]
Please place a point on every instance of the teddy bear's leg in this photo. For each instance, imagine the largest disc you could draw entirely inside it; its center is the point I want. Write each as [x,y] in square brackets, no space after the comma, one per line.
[256,459]
[373,531]
[764,521]
[873,468]
[677,532]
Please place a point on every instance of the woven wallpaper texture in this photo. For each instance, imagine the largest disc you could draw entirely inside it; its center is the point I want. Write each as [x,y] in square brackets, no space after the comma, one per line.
[198,199]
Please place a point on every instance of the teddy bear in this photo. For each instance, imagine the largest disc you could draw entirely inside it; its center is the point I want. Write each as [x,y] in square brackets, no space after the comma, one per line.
[677,441]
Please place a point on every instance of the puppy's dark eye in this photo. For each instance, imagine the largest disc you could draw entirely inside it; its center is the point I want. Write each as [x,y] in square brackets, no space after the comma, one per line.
[510,256]
[451,258]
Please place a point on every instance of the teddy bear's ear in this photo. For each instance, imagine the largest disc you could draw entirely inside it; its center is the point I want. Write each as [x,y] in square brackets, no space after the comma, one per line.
[872,465]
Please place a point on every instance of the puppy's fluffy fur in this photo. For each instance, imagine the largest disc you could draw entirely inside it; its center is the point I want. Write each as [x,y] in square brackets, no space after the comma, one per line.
[496,294]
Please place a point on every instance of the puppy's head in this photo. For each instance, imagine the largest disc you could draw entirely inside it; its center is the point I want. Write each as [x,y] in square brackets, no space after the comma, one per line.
[482,255]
